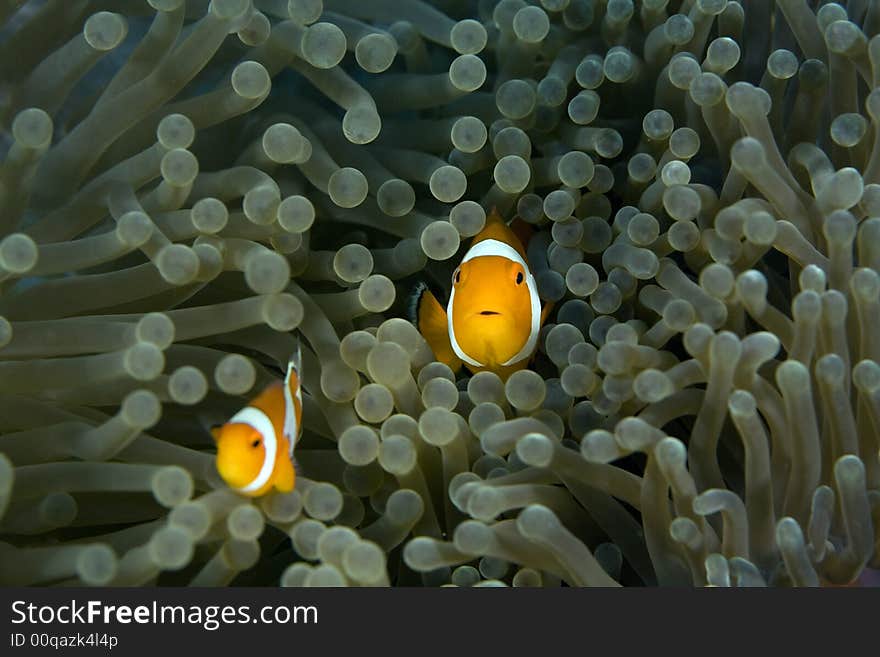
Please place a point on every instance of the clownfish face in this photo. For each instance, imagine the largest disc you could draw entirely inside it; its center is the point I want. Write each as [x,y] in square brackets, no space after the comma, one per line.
[240,453]
[492,310]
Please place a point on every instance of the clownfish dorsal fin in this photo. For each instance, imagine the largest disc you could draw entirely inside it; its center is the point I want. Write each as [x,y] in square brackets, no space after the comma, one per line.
[523,230]
[296,358]
[294,370]
[496,229]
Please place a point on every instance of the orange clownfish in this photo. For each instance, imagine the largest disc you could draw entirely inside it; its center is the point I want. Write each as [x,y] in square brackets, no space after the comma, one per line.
[255,447]
[494,313]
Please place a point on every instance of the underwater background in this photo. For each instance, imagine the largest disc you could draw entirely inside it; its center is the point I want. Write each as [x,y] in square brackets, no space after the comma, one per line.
[190,188]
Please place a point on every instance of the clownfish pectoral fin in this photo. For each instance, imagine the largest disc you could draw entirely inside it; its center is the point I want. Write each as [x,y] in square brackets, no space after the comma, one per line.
[430,318]
[285,477]
[545,311]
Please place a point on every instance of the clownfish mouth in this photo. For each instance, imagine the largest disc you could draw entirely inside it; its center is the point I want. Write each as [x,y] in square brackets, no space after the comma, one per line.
[487,313]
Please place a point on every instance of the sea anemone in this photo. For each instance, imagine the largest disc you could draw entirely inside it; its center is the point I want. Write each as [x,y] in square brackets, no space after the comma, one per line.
[191,188]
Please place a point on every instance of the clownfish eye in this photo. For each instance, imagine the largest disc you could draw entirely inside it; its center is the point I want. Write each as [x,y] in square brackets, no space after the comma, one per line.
[519,278]
[256,443]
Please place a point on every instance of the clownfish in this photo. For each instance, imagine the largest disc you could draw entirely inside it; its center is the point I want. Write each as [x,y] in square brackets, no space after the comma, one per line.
[255,447]
[494,313]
